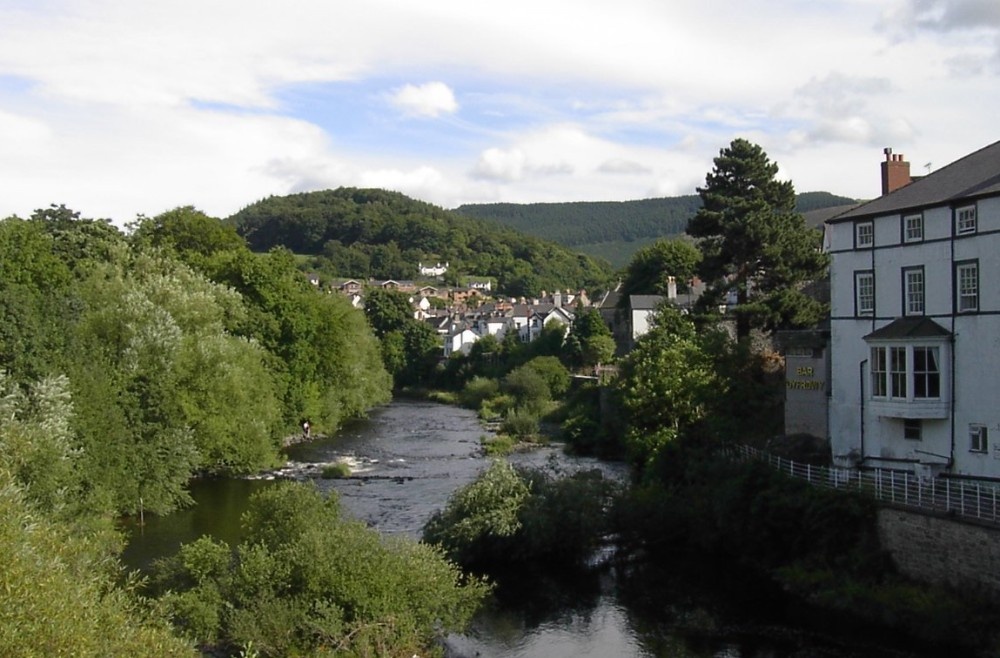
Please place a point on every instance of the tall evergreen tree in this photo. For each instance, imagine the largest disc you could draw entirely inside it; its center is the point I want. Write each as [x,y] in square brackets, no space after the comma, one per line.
[754,243]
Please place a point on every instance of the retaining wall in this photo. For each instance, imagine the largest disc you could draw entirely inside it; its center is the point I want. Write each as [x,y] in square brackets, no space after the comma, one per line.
[942,551]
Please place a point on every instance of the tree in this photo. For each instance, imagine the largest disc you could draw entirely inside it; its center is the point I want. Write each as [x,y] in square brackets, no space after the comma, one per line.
[665,385]
[589,342]
[754,243]
[647,273]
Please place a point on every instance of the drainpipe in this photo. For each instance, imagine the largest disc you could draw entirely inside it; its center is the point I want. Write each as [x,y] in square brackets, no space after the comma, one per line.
[951,340]
[861,388]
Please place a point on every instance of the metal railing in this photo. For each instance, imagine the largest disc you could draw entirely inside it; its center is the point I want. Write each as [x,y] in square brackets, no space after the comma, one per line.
[975,501]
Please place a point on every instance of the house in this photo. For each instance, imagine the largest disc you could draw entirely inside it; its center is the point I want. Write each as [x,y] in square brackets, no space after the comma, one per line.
[638,321]
[349,287]
[914,334]
[545,315]
[460,339]
[432,270]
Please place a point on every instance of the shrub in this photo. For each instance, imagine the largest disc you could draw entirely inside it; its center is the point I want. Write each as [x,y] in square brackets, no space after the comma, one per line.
[520,423]
[498,446]
[509,516]
[305,578]
[496,407]
[335,471]
[527,386]
[477,391]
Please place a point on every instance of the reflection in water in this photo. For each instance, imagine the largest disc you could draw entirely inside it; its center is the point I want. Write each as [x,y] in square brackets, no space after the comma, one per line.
[409,457]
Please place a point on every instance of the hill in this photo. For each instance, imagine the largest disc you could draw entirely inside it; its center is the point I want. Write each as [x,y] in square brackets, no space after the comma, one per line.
[613,230]
[368,233]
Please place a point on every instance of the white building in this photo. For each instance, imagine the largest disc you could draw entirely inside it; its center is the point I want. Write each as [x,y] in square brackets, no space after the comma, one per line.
[432,270]
[915,335]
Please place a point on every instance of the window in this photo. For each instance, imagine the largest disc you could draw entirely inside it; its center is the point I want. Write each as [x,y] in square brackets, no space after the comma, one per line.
[864,292]
[926,372]
[898,370]
[864,234]
[913,228]
[967,287]
[978,438]
[965,220]
[913,291]
[879,371]
[911,429]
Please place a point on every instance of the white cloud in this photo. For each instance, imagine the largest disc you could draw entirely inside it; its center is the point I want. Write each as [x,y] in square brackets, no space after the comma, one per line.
[118,107]
[500,165]
[622,166]
[427,100]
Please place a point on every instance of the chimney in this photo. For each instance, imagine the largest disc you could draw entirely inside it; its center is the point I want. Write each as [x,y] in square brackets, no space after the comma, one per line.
[895,172]
[671,288]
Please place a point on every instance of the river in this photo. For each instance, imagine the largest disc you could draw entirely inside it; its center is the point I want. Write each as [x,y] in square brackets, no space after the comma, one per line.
[408,457]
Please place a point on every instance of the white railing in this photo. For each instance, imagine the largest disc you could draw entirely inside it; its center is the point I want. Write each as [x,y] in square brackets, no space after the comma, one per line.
[962,499]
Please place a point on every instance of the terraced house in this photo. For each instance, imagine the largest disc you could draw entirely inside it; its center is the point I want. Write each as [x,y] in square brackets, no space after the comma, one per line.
[915,322]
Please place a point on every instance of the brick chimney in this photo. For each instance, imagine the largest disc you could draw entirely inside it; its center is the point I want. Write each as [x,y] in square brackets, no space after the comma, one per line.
[895,172]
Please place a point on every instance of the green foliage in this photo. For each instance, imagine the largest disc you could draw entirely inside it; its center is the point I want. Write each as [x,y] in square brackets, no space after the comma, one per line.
[35,298]
[37,446]
[665,385]
[305,579]
[500,445]
[410,348]
[552,371]
[477,390]
[613,230]
[59,596]
[649,268]
[753,241]
[338,470]
[324,356]
[480,519]
[508,516]
[528,387]
[373,233]
[520,423]
[589,342]
[189,233]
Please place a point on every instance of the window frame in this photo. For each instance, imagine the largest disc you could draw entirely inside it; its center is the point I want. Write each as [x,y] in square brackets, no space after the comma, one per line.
[979,440]
[910,296]
[961,266]
[870,243]
[894,375]
[931,377]
[913,429]
[905,228]
[859,309]
[963,225]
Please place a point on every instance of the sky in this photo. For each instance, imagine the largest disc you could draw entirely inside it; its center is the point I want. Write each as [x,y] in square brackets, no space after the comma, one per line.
[120,108]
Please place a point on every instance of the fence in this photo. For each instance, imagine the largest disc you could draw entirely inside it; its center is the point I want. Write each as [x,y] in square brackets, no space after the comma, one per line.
[964,500]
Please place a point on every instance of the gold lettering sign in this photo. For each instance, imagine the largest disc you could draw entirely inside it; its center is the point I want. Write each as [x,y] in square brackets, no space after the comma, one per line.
[804,386]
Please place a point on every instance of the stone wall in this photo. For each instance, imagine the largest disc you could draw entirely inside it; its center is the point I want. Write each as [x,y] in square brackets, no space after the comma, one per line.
[941,550]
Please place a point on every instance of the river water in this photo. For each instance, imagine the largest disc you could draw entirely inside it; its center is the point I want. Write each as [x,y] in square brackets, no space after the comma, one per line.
[408,457]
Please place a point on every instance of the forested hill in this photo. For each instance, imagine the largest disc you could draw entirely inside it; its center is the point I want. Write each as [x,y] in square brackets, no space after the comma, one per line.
[362,233]
[613,229]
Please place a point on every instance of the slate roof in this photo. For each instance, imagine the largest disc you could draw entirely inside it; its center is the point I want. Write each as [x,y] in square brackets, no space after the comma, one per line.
[975,175]
[644,302]
[909,327]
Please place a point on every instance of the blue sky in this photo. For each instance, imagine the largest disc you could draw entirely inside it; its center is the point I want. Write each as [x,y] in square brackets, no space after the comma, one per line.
[118,108]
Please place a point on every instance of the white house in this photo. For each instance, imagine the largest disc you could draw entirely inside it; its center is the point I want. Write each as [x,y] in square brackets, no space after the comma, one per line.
[432,270]
[460,340]
[915,335]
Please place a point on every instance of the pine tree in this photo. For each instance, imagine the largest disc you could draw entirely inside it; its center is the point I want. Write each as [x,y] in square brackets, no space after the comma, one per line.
[754,243]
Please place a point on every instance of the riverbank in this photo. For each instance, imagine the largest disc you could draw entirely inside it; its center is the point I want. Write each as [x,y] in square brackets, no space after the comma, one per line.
[821,548]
